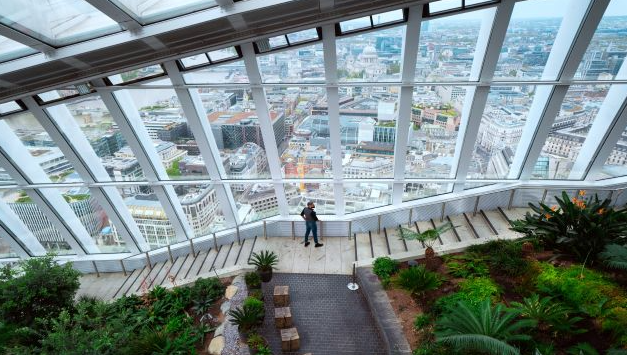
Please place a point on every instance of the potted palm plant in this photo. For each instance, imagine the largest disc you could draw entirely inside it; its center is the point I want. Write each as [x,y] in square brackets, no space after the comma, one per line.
[265,261]
[427,238]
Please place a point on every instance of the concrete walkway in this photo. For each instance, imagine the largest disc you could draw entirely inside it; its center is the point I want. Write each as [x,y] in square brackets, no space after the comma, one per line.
[336,256]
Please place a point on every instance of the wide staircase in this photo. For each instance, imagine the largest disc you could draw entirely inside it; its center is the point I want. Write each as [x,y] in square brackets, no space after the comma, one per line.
[337,256]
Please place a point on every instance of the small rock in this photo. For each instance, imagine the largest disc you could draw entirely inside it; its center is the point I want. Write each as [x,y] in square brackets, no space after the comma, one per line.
[219,330]
[216,346]
[412,262]
[230,292]
[224,308]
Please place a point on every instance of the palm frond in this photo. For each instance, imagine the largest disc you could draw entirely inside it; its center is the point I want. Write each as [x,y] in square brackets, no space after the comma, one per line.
[479,342]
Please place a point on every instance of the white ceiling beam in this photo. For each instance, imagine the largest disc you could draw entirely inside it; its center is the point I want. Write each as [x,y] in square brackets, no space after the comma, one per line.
[326,5]
[237,22]
[125,20]
[24,39]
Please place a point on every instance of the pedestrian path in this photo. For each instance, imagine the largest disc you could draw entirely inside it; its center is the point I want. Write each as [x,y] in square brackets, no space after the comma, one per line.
[337,256]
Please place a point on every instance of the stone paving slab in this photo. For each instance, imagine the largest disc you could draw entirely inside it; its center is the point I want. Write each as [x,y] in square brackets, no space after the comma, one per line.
[331,319]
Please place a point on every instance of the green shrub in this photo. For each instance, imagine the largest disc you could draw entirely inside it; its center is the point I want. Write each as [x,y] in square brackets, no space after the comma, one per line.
[548,314]
[417,280]
[42,290]
[467,266]
[264,350]
[432,348]
[211,288]
[504,256]
[258,294]
[582,349]
[473,291]
[421,321]
[568,227]
[253,302]
[482,328]
[253,280]
[255,341]
[385,267]
[246,317]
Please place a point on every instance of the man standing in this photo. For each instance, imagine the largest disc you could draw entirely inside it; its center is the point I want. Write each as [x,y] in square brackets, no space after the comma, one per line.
[309,215]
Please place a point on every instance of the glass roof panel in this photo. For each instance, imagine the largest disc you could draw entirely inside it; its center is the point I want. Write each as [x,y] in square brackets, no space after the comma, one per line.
[387,17]
[501,127]
[232,73]
[303,36]
[608,46]
[10,49]
[529,39]
[299,65]
[569,131]
[371,56]
[277,41]
[136,74]
[355,24]
[444,5]
[9,107]
[223,54]
[57,22]
[198,59]
[149,11]
[447,47]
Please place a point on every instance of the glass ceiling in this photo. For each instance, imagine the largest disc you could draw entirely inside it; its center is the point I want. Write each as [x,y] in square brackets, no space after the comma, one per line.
[231,137]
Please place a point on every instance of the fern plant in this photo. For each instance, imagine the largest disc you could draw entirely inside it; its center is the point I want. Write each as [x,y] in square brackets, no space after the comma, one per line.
[417,280]
[482,328]
[548,314]
[427,238]
[246,317]
[615,256]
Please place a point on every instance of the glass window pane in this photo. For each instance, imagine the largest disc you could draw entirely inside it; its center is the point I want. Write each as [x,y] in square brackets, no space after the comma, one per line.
[36,221]
[277,41]
[198,59]
[148,11]
[235,127]
[387,17]
[223,54]
[231,73]
[371,56]
[41,147]
[10,49]
[255,201]
[304,149]
[57,22]
[608,47]
[104,136]
[500,130]
[447,47]
[529,39]
[444,5]
[300,65]
[137,74]
[163,117]
[5,250]
[364,196]
[418,190]
[355,24]
[368,131]
[435,117]
[202,208]
[569,131]
[149,216]
[321,194]
[94,219]
[5,178]
[616,163]
[476,2]
[9,107]
[303,36]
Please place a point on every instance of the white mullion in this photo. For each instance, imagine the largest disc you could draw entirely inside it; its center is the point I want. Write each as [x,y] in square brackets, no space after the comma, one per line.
[265,123]
[196,119]
[489,43]
[50,201]
[13,229]
[333,107]
[60,124]
[122,109]
[26,40]
[115,13]
[571,42]
[409,55]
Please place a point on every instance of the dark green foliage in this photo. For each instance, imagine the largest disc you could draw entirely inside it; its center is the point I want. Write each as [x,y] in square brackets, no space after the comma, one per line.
[432,348]
[483,328]
[615,256]
[252,302]
[504,256]
[427,237]
[42,290]
[253,280]
[548,313]
[582,349]
[569,226]
[417,280]
[385,267]
[473,291]
[255,341]
[421,321]
[207,289]
[264,260]
[264,350]
[246,317]
[467,266]
[258,294]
